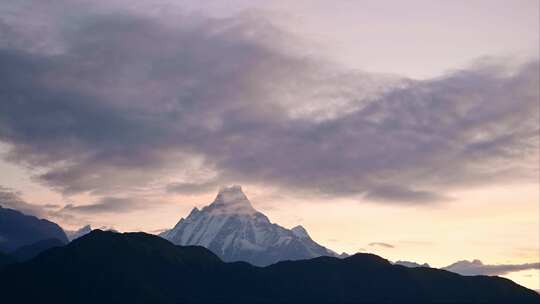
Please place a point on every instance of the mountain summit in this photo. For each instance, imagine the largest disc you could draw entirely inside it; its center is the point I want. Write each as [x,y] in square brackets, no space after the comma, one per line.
[235,231]
[232,200]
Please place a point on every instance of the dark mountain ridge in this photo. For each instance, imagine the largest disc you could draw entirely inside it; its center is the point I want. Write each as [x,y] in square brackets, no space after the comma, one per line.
[108,267]
[18,229]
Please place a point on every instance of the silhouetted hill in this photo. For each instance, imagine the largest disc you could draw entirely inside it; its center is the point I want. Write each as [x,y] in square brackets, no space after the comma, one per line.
[107,267]
[5,260]
[28,252]
[18,229]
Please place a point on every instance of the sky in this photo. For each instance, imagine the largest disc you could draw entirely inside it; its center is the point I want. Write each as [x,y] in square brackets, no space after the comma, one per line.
[406,129]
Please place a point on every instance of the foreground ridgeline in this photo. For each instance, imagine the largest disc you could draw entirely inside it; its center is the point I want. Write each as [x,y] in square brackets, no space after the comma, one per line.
[108,267]
[235,231]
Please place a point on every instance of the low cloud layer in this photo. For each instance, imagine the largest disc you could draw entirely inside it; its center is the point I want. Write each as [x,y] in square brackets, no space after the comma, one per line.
[107,101]
[476,267]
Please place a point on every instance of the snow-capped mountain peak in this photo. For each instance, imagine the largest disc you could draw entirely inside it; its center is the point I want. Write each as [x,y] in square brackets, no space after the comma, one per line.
[232,200]
[72,235]
[235,231]
[300,232]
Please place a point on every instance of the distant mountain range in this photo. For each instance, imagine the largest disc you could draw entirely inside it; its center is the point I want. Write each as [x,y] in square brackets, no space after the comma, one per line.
[18,229]
[108,267]
[235,231]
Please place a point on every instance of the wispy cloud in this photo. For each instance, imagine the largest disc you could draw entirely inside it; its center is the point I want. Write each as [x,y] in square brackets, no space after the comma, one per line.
[192,188]
[107,205]
[381,244]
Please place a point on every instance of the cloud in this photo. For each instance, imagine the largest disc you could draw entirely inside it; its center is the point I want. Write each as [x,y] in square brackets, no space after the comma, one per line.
[192,188]
[70,213]
[380,244]
[52,206]
[397,193]
[106,205]
[109,101]
[476,267]
[11,199]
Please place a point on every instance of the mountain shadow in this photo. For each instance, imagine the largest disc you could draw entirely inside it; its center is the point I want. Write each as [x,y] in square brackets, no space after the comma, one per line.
[108,267]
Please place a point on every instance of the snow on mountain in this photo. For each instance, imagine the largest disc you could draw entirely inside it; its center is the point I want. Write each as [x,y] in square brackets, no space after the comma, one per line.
[72,235]
[300,232]
[235,231]
[411,264]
